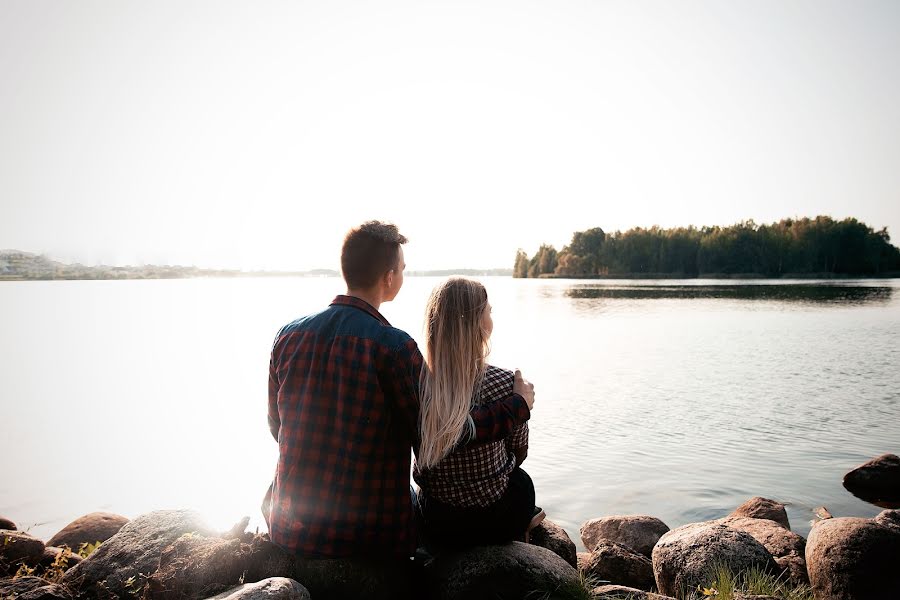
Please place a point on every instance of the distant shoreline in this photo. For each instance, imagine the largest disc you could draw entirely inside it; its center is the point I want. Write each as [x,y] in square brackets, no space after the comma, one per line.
[16,265]
[729,276]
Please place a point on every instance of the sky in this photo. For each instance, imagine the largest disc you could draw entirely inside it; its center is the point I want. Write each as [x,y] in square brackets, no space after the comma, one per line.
[255,134]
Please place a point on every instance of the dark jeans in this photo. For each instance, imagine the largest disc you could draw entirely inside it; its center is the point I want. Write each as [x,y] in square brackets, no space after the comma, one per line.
[505,520]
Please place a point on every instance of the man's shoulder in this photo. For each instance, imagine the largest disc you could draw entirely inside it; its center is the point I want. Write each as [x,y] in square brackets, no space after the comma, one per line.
[348,321]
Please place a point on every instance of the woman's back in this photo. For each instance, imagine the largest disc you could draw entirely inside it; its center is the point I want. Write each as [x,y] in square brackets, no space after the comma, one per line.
[477,475]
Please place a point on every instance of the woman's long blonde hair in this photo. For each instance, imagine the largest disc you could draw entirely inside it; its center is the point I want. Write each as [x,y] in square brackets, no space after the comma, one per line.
[455,352]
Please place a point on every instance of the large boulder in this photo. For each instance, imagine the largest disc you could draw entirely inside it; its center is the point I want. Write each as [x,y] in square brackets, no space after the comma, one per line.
[18,547]
[551,536]
[763,508]
[197,566]
[511,571]
[877,479]
[120,566]
[620,565]
[686,557]
[89,529]
[32,588]
[620,592]
[853,559]
[786,547]
[638,532]
[7,524]
[273,588]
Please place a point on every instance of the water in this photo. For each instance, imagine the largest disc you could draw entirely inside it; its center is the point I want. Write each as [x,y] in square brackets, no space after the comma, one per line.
[678,399]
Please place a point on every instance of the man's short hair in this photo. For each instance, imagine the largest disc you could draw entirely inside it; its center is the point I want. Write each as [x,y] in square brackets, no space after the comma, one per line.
[370,251]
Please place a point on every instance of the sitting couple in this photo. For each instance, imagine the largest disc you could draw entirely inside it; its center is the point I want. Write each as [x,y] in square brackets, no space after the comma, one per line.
[350,396]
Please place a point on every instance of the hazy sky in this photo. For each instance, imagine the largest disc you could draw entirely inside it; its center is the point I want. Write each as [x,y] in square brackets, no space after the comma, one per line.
[254,134]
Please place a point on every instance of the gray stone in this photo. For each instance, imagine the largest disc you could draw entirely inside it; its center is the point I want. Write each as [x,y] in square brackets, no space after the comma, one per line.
[853,559]
[32,588]
[512,571]
[619,565]
[273,588]
[198,566]
[120,566]
[787,547]
[551,536]
[685,557]
[638,532]
[88,529]
[18,547]
[763,508]
[621,592]
[877,479]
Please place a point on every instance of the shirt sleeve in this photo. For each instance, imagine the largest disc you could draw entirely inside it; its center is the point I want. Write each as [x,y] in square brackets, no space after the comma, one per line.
[497,420]
[519,438]
[274,419]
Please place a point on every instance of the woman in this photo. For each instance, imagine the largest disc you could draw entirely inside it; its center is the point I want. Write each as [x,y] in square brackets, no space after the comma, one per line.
[469,494]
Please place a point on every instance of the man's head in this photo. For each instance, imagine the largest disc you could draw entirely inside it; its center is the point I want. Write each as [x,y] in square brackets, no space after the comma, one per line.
[372,259]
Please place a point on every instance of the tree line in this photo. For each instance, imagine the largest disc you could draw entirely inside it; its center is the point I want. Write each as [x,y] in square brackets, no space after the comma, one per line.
[790,246]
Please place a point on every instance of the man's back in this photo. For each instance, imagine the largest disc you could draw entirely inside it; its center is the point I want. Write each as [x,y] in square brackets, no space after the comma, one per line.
[343,407]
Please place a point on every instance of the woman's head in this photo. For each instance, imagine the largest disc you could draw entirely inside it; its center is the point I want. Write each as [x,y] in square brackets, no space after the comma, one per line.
[458,326]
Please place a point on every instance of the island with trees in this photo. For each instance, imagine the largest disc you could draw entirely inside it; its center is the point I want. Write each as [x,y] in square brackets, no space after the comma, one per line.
[819,247]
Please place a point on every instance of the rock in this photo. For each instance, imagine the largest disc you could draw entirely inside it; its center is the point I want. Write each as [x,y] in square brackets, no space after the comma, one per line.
[786,547]
[684,557]
[853,559]
[617,592]
[889,518]
[32,588]
[794,566]
[7,524]
[16,548]
[620,565]
[822,513]
[551,536]
[196,566]
[512,571]
[89,529]
[273,588]
[763,508]
[51,555]
[120,566]
[877,479]
[638,532]
[582,558]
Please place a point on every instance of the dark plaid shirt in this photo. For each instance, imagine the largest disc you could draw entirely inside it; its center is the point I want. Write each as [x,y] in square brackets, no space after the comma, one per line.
[343,405]
[477,474]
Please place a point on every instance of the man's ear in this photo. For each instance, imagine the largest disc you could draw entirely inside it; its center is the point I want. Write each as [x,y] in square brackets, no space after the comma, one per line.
[389,279]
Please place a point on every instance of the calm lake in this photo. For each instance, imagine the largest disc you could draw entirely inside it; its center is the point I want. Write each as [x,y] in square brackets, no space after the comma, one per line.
[678,399]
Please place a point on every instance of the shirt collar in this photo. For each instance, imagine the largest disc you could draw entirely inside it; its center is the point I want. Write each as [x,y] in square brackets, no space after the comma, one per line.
[342,300]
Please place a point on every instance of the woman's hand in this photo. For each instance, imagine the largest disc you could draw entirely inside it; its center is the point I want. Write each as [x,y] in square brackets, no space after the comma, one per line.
[524,388]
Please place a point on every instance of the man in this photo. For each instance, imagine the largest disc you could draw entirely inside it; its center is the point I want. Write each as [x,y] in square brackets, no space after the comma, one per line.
[343,406]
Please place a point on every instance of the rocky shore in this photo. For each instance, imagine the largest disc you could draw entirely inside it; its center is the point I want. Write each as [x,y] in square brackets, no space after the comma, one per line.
[173,554]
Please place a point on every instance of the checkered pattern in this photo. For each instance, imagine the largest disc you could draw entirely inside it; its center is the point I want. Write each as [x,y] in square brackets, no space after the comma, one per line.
[343,406]
[477,474]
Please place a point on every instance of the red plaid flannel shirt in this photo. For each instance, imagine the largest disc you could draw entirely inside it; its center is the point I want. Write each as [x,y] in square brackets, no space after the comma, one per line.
[477,474]
[343,405]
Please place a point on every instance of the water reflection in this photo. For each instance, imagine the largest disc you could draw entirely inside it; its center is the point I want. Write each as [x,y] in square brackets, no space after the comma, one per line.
[802,293]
